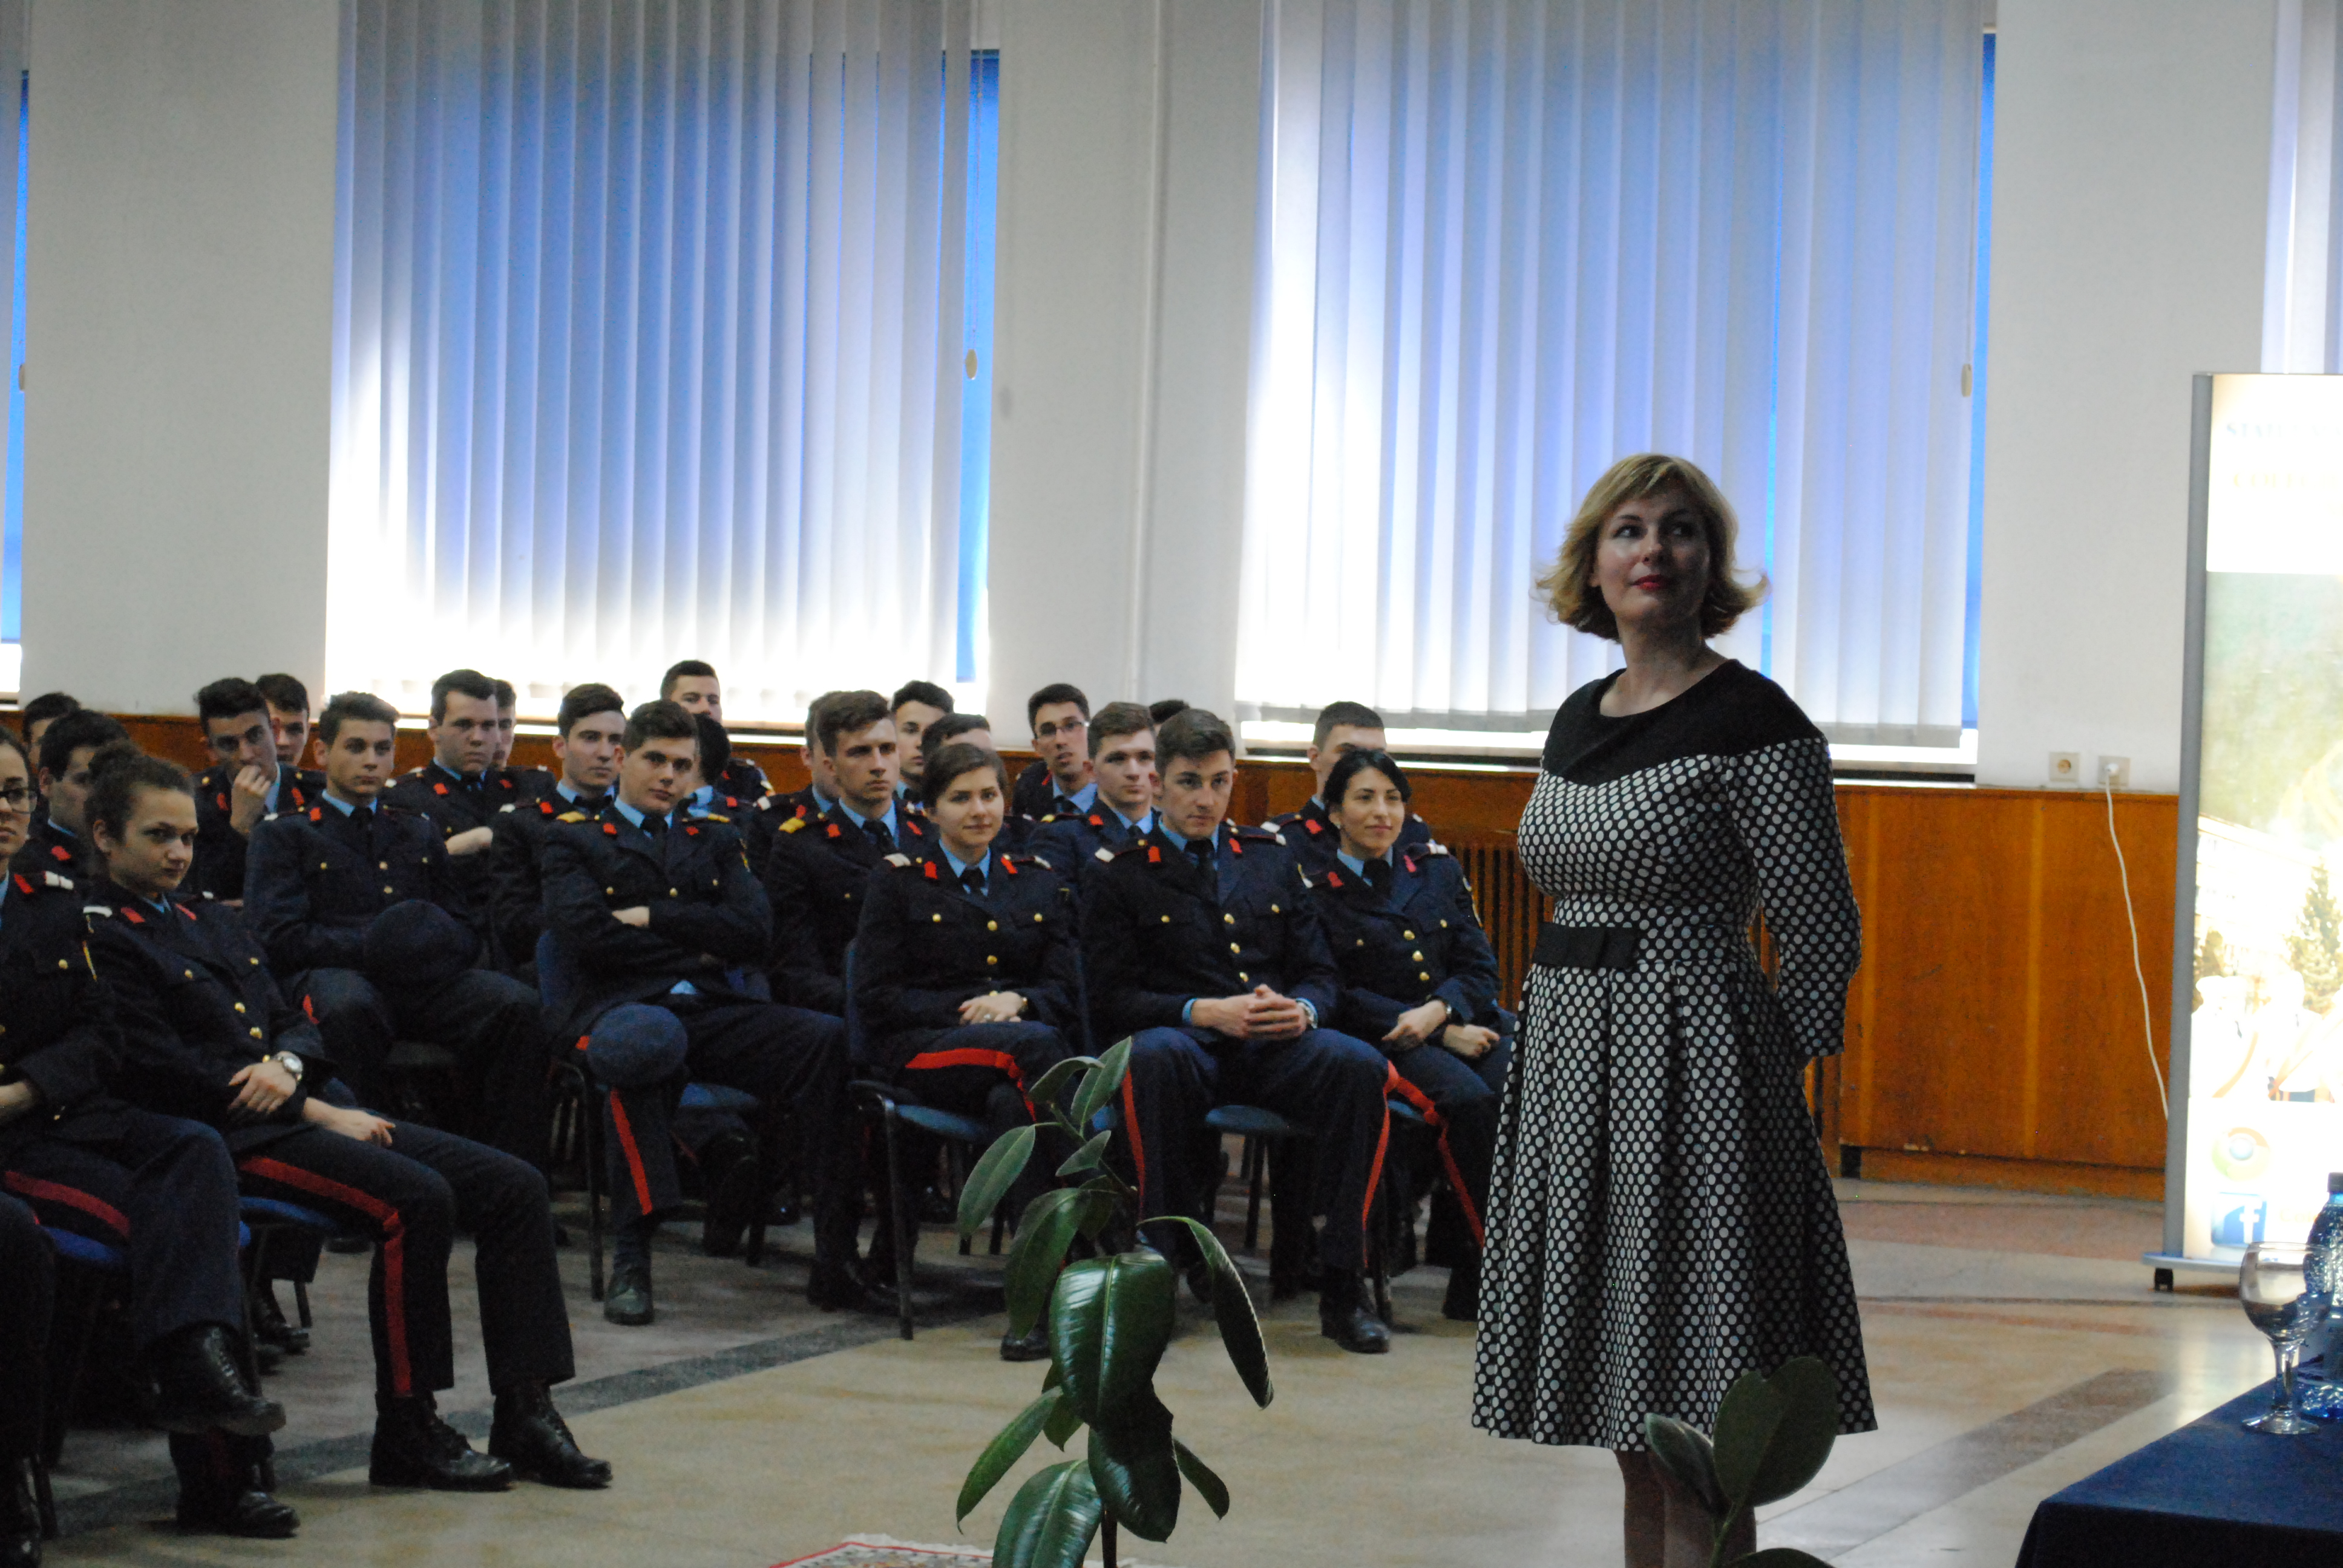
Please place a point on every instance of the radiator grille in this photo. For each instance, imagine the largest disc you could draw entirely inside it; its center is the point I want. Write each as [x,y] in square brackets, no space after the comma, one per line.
[1509,903]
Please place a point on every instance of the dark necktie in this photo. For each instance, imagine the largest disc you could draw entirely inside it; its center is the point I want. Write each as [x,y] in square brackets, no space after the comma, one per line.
[881,839]
[1064,807]
[1379,875]
[972,879]
[1201,849]
[655,829]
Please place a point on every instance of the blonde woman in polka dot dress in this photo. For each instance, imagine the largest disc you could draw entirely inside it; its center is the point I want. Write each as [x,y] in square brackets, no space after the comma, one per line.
[1661,1221]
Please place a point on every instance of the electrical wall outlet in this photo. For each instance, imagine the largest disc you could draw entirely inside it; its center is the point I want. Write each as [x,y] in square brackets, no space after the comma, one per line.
[2066,767]
[2114,773]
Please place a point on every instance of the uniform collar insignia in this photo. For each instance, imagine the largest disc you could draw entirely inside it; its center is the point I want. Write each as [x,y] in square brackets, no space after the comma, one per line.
[835,831]
[1333,879]
[438,788]
[932,872]
[611,829]
[1154,854]
[133,917]
[1009,864]
[1313,825]
[59,852]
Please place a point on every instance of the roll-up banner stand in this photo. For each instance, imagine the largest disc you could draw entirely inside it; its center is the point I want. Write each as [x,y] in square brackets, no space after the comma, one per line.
[2257,949]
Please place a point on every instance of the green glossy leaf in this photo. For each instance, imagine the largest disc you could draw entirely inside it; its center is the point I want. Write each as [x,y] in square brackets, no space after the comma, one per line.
[1684,1451]
[1099,1086]
[1051,1520]
[1042,1236]
[1809,1392]
[1209,1486]
[1099,1202]
[1063,1423]
[1087,1156]
[1745,1422]
[1135,1471]
[1233,1310]
[1051,1085]
[994,1175]
[1004,1451]
[1780,1557]
[1109,1319]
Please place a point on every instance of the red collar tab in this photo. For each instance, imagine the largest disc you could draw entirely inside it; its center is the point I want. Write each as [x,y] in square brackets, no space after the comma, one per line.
[689,831]
[1236,845]
[1008,865]
[932,872]
[1333,879]
[59,852]
[1312,825]
[836,832]
[1408,861]
[24,884]
[133,917]
[438,788]
[1154,855]
[1095,819]
[317,813]
[545,808]
[611,829]
[222,799]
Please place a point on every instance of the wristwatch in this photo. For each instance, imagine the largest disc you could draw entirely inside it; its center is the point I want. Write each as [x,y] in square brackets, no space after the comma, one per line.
[289,1063]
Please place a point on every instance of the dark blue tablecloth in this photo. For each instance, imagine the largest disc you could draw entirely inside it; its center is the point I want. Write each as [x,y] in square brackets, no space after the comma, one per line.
[2211,1492]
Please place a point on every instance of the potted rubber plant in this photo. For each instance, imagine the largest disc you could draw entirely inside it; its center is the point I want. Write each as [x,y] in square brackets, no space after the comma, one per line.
[1111,1315]
[1773,1434]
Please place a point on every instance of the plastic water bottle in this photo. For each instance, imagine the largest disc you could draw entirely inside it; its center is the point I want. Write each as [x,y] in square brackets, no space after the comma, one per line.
[2323,1271]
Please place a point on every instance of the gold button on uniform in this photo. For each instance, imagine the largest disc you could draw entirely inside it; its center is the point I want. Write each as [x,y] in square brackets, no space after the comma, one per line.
[992,957]
[239,1007]
[1234,948]
[1418,957]
[1409,935]
[184,974]
[937,918]
[1423,977]
[1230,919]
[386,890]
[1167,919]
[992,925]
[385,865]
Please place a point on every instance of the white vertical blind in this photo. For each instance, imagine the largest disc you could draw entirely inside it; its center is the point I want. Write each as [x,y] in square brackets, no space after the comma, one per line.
[1507,242]
[647,323]
[2302,295]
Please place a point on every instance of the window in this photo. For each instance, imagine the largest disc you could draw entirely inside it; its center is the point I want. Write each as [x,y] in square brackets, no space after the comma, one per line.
[11,497]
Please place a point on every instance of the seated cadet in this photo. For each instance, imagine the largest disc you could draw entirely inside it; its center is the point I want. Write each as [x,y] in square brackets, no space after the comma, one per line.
[1343,727]
[1201,945]
[592,719]
[820,866]
[966,974]
[353,901]
[662,927]
[55,842]
[206,1035]
[1164,708]
[1060,782]
[43,711]
[461,790]
[706,798]
[534,783]
[289,717]
[1420,979]
[1123,811]
[916,705]
[160,1190]
[691,683]
[246,782]
[1017,832]
[30,1269]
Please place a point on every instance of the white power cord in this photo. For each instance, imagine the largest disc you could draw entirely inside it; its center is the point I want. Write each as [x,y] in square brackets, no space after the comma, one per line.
[2147,1018]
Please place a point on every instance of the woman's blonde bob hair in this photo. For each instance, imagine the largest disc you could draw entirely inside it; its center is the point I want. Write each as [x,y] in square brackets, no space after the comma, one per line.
[1569,584]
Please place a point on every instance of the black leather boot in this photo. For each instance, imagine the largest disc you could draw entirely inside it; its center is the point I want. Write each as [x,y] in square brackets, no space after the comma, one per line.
[1345,1318]
[841,1287]
[238,1506]
[20,1515]
[529,1434]
[736,1185]
[1033,1345]
[627,1302]
[201,1388]
[413,1447]
[271,1327]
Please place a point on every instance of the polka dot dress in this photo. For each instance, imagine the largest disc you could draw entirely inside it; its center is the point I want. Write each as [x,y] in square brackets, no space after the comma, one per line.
[1661,1220]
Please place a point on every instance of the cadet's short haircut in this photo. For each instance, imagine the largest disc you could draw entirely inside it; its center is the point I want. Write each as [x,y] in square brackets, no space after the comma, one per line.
[813,719]
[469,682]
[948,763]
[849,713]
[232,697]
[715,746]
[284,693]
[83,727]
[1119,719]
[353,707]
[682,668]
[117,773]
[506,696]
[1164,708]
[660,721]
[1354,763]
[1337,715]
[47,706]
[583,701]
[926,691]
[1191,735]
[1057,692]
[946,729]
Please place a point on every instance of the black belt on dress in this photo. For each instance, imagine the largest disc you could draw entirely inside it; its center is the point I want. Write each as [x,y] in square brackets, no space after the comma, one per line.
[1587,947]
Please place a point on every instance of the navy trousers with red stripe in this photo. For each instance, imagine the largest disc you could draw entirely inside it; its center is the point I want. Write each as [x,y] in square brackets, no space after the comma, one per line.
[1321,1079]
[30,1271]
[411,1198]
[1464,1097]
[982,1071]
[161,1190]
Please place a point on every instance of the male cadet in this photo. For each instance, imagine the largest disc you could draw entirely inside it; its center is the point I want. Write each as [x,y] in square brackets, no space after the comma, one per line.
[1123,766]
[289,716]
[462,788]
[592,719]
[662,926]
[43,711]
[1343,727]
[1060,783]
[692,683]
[57,838]
[1164,708]
[820,866]
[534,783]
[1202,945]
[917,704]
[354,903]
[247,781]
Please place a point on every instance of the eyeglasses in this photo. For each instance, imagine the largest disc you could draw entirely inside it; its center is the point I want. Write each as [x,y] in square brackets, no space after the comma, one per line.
[18,798]
[1043,732]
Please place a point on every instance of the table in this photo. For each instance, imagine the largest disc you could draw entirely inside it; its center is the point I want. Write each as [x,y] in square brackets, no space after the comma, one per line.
[2211,1492]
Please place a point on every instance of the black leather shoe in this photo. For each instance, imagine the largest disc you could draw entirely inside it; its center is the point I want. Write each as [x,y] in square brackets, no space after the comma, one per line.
[413,1447]
[1462,1304]
[841,1288]
[529,1434]
[736,1185]
[20,1516]
[1344,1317]
[627,1302]
[1032,1346]
[266,1358]
[201,1387]
[271,1327]
[251,1513]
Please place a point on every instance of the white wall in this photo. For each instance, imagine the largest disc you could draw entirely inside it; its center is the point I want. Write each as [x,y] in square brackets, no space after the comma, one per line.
[179,300]
[2131,175]
[1130,142]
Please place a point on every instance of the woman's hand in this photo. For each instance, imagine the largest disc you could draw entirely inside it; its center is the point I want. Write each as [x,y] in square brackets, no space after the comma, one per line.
[1416,1025]
[17,1099]
[363,1125]
[1469,1041]
[993,1007]
[262,1091]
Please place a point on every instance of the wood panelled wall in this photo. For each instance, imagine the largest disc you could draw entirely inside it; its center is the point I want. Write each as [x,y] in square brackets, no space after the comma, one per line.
[1994,1034]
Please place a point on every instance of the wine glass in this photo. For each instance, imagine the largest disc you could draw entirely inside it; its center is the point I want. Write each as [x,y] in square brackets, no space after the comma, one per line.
[2280,1300]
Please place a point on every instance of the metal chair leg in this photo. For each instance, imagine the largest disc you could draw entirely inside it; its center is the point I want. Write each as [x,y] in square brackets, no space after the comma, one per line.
[77,1310]
[595,1176]
[905,1230]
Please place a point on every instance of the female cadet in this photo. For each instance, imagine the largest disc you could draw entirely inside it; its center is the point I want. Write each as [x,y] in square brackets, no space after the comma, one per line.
[965,978]
[1419,979]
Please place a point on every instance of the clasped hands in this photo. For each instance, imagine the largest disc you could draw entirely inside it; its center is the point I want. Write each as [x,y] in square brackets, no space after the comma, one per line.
[1262,1014]
[1420,1025]
[992,1007]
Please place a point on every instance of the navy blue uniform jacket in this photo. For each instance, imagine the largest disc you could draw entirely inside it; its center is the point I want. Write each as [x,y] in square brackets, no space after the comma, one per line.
[317,878]
[58,1028]
[1311,834]
[817,874]
[1400,950]
[220,850]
